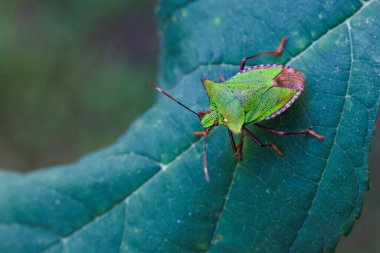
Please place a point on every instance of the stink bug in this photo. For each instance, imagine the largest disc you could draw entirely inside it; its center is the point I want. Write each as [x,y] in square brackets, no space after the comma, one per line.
[253,95]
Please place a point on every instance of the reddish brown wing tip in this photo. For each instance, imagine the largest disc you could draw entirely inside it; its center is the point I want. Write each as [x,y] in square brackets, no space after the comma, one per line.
[291,79]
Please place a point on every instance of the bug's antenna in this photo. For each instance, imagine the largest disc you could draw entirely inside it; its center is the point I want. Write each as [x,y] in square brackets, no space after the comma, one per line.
[169,96]
[205,170]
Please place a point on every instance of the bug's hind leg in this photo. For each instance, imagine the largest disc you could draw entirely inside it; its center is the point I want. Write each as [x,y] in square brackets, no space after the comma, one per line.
[281,133]
[277,52]
[258,142]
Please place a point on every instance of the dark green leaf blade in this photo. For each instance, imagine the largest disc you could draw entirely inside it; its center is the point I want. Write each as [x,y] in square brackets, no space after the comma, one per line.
[147,193]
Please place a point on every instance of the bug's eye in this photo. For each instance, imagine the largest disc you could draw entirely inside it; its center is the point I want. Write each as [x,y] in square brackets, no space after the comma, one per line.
[216,123]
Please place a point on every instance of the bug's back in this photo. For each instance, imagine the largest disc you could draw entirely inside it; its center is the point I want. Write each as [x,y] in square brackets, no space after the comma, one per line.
[266,91]
[261,92]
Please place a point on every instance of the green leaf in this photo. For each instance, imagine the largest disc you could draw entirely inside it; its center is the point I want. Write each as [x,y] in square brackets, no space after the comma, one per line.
[147,193]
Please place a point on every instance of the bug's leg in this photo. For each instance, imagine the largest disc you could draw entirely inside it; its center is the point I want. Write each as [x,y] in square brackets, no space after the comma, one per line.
[205,134]
[258,142]
[277,52]
[233,144]
[281,133]
[222,79]
[236,148]
[240,148]
[200,133]
[205,170]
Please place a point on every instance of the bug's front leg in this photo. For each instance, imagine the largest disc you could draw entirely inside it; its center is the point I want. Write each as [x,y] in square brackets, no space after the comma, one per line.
[233,144]
[205,132]
[281,133]
[200,133]
[258,142]
[237,149]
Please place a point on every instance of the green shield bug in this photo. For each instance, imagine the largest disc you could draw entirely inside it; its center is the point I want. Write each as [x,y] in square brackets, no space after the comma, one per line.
[253,95]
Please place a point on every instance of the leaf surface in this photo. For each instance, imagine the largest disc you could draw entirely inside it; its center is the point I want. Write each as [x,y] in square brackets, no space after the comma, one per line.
[147,193]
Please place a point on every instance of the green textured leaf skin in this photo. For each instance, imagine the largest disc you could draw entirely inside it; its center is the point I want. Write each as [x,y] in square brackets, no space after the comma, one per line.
[252,95]
[146,193]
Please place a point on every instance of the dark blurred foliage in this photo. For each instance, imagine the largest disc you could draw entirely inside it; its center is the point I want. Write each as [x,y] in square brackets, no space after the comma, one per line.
[73,75]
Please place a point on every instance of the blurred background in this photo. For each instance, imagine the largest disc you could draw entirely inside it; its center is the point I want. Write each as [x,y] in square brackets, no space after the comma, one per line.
[73,75]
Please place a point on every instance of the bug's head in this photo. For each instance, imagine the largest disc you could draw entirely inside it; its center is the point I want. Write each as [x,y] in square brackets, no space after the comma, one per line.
[208,118]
